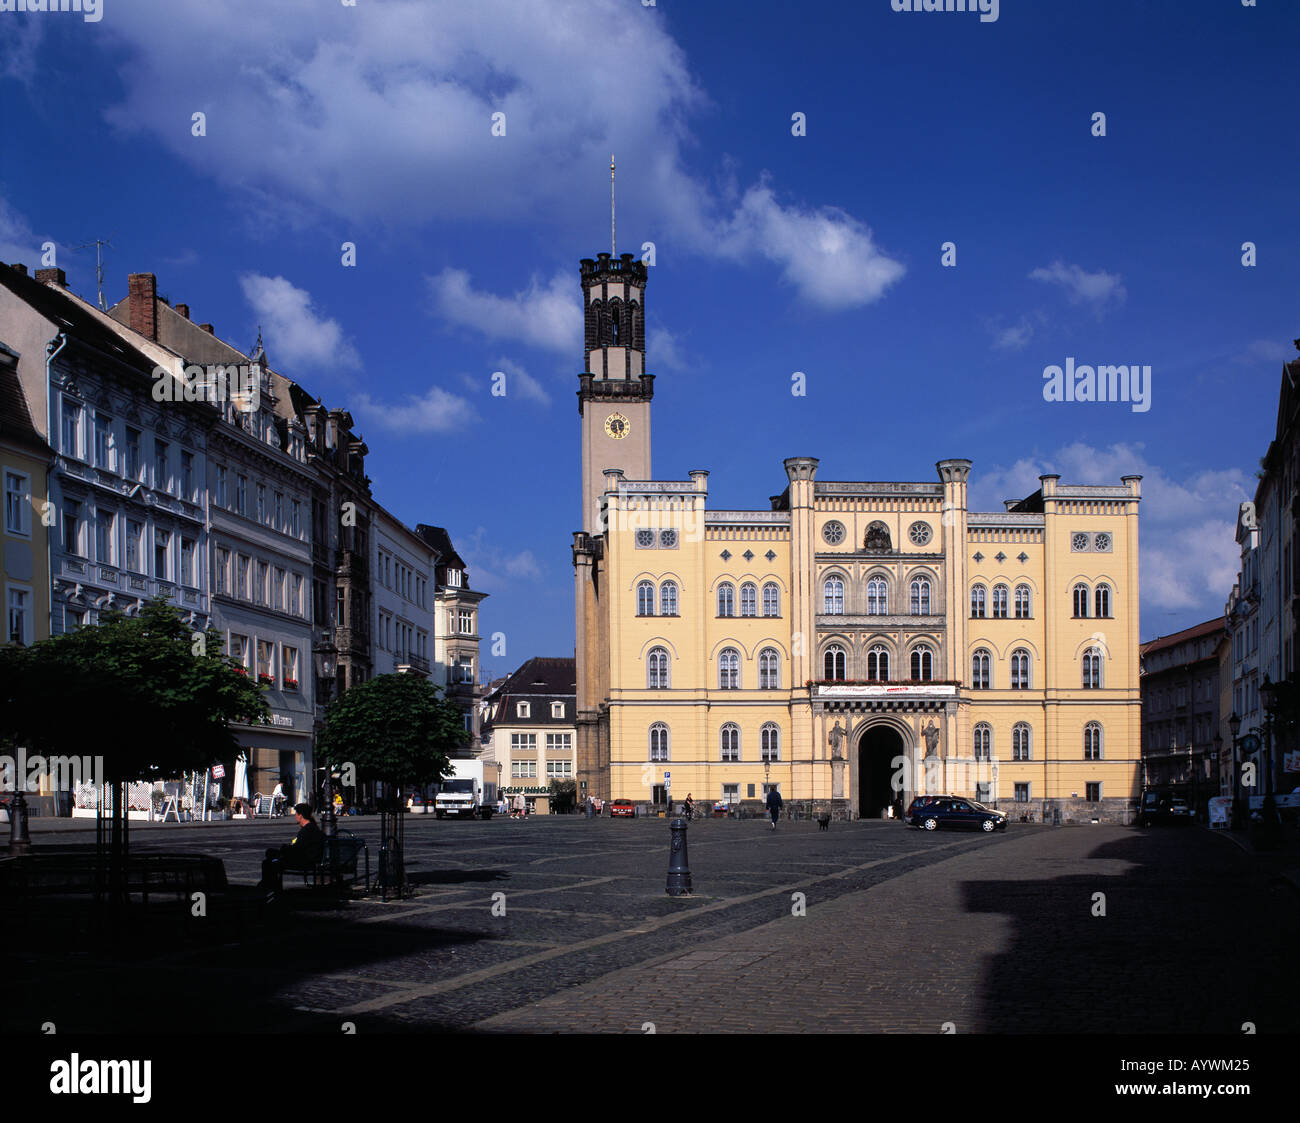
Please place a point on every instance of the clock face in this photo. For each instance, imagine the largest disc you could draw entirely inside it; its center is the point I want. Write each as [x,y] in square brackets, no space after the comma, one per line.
[616,425]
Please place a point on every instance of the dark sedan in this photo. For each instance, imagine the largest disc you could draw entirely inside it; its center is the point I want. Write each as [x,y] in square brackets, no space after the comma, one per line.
[929,813]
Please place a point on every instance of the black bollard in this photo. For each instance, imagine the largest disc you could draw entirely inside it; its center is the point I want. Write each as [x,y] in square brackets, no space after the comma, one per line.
[19,840]
[679,868]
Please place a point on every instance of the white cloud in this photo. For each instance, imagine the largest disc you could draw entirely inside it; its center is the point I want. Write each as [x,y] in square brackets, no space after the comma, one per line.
[386,117]
[493,568]
[437,411]
[1188,555]
[1082,287]
[547,316]
[663,350]
[1265,352]
[294,334]
[17,241]
[829,256]
[1014,338]
[521,384]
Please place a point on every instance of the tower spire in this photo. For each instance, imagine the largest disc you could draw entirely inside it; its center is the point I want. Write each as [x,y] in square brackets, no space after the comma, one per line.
[613,245]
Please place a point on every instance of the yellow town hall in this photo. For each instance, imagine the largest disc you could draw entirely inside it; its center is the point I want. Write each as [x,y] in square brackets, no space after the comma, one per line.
[853,644]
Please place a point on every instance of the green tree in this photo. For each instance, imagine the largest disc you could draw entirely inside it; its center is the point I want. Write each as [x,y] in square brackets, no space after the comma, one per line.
[395,728]
[564,796]
[147,693]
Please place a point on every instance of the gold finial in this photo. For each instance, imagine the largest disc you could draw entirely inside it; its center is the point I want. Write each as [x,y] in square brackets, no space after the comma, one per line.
[613,242]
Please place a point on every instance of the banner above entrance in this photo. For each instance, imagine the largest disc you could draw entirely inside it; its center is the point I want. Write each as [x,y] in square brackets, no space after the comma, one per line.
[886,690]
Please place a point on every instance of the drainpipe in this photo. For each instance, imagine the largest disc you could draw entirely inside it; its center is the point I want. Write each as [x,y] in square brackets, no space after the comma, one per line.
[51,352]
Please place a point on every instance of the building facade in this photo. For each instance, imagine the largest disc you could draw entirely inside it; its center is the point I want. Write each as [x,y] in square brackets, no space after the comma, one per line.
[853,644]
[529,732]
[1180,712]
[1264,606]
[403,567]
[456,636]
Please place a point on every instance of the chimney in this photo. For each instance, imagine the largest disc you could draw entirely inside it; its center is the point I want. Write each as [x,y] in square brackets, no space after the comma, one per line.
[18,266]
[184,310]
[208,328]
[56,275]
[142,291]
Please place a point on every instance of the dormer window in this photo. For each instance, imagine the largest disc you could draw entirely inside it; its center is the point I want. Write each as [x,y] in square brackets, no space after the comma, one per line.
[557,709]
[523,709]
[455,578]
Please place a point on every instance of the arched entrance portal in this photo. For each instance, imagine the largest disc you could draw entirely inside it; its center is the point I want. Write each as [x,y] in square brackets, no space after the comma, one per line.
[879,748]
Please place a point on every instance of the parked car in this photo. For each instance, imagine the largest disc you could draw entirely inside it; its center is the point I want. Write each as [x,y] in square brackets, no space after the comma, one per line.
[1160,808]
[929,813]
[622,808]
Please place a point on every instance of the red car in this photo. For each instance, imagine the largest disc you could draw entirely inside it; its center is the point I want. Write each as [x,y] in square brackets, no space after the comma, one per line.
[622,808]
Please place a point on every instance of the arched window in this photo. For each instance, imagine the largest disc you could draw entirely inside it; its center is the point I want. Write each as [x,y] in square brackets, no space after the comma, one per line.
[729,669]
[921,596]
[769,669]
[922,663]
[833,597]
[1020,669]
[726,599]
[878,663]
[877,597]
[659,741]
[770,736]
[645,598]
[1021,742]
[657,669]
[1092,741]
[668,598]
[1102,600]
[771,599]
[1081,600]
[729,741]
[1000,596]
[980,663]
[749,599]
[1024,602]
[613,324]
[833,663]
[983,741]
[1092,669]
[977,597]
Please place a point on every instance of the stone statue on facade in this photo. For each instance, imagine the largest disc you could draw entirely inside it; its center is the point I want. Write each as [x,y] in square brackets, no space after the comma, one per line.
[836,738]
[931,735]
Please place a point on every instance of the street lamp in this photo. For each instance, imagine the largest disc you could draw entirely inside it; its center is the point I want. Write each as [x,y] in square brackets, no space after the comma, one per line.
[325,687]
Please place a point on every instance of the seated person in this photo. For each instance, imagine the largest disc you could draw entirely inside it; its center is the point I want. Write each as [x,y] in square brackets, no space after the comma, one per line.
[304,852]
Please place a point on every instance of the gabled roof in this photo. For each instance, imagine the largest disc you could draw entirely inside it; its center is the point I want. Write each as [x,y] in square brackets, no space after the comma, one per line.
[68,315]
[440,540]
[1209,628]
[540,681]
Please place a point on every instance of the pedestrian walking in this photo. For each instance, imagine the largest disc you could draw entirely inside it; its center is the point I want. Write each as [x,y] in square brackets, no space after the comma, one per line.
[774,805]
[501,804]
[587,804]
[521,806]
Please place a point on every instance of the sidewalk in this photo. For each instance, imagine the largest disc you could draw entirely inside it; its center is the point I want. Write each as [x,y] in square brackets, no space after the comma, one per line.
[1283,862]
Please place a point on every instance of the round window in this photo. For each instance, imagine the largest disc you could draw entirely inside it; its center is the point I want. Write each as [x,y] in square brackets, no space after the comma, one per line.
[833,532]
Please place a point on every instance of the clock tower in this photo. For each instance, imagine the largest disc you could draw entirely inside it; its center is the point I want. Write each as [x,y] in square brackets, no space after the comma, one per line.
[614,390]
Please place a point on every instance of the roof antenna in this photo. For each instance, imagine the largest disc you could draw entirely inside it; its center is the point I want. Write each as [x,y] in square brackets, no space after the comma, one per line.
[613,247]
[99,244]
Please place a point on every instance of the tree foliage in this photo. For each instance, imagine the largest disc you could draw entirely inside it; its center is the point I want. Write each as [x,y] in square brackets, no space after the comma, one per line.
[144,692]
[395,728]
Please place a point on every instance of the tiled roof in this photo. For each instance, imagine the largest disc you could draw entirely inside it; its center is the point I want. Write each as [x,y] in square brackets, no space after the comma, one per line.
[1209,628]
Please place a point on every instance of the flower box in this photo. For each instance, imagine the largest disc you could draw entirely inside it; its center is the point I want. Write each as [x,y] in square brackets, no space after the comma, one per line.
[268,679]
[291,684]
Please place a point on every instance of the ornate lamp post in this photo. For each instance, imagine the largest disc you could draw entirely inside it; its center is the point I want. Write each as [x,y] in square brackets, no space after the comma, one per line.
[1268,694]
[325,687]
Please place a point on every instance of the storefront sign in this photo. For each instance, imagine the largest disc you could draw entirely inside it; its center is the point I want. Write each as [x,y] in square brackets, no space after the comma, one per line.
[218,771]
[526,791]
[280,719]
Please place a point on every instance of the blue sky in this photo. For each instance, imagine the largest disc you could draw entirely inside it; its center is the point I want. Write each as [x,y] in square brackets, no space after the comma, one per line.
[775,253]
